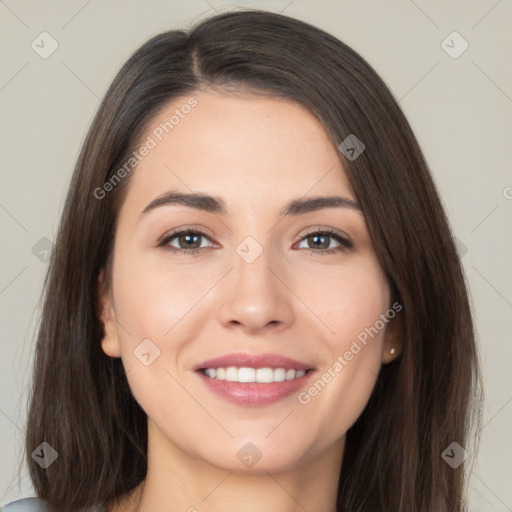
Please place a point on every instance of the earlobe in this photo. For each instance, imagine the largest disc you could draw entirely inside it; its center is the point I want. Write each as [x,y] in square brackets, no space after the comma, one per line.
[109,342]
[393,340]
[110,345]
[390,354]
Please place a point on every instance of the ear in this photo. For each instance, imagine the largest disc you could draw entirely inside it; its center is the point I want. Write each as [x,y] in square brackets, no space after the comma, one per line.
[110,341]
[393,338]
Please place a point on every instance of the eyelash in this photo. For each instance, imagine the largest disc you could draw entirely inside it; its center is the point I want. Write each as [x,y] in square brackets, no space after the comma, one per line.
[343,247]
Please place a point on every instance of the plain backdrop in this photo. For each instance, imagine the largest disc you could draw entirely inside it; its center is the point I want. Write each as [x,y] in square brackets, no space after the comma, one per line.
[459,104]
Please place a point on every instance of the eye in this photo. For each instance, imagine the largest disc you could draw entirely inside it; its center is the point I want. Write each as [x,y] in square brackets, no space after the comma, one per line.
[322,241]
[188,241]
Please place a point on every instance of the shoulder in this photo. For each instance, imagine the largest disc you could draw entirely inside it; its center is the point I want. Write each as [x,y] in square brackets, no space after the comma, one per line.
[32,505]
[25,505]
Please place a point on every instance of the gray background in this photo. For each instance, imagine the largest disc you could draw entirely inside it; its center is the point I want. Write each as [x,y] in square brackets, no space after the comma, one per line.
[460,109]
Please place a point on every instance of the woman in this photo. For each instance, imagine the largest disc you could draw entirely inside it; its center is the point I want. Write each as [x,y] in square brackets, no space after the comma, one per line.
[255,301]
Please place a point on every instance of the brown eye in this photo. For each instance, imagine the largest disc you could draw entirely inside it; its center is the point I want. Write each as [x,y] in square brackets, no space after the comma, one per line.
[321,242]
[185,241]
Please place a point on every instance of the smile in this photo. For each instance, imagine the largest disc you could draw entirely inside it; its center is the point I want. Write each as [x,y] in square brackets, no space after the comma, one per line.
[260,375]
[244,388]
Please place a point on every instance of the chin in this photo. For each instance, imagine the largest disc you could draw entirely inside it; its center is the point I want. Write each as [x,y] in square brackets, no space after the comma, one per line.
[256,457]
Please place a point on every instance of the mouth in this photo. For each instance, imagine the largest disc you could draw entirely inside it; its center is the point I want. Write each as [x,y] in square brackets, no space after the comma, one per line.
[246,359]
[247,374]
[254,379]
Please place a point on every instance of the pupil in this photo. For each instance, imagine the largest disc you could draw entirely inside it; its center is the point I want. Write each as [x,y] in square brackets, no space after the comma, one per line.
[316,237]
[188,237]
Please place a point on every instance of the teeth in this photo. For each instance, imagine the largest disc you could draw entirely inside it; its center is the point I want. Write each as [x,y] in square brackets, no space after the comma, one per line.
[266,375]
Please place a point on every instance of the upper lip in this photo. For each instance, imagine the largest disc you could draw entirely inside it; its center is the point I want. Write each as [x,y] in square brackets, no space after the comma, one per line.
[253,361]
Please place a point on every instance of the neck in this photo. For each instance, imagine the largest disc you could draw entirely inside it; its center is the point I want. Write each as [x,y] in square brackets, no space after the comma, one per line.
[177,481]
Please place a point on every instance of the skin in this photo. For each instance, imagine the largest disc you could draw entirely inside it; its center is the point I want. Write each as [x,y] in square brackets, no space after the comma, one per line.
[256,153]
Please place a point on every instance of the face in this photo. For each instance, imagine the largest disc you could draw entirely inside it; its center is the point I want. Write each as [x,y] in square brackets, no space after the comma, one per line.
[242,276]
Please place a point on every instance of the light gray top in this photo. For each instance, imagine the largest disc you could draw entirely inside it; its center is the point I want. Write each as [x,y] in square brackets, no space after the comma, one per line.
[25,505]
[30,505]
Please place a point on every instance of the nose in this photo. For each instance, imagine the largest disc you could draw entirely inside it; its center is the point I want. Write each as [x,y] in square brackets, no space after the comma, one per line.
[255,296]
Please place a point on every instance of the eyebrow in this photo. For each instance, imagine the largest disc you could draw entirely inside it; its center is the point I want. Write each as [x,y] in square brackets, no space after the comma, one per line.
[214,204]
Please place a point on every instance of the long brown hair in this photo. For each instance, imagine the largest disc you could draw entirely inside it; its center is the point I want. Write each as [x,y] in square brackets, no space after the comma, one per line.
[423,401]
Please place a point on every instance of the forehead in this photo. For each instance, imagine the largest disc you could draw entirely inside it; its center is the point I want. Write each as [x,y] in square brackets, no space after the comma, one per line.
[229,145]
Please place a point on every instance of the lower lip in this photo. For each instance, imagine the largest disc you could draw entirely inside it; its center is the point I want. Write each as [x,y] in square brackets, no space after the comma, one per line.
[255,393]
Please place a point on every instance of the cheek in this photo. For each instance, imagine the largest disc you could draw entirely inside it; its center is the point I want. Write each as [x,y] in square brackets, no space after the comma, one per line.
[350,305]
[153,300]
[151,305]
[348,302]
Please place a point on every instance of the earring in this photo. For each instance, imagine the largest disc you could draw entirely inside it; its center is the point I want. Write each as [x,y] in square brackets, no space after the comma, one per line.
[392,351]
